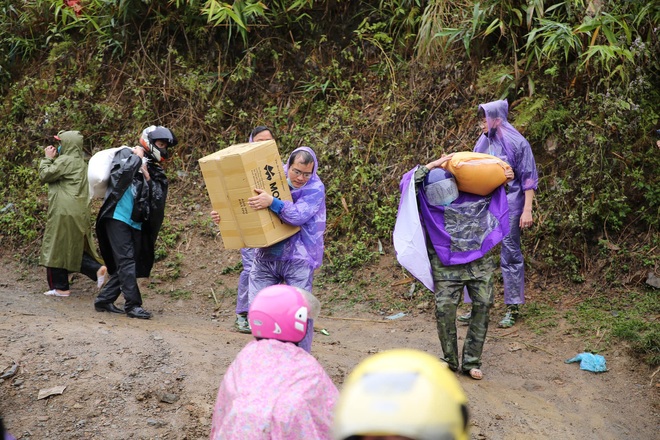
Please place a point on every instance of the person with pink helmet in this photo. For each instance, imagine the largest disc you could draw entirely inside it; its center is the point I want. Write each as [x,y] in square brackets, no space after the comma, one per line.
[274,389]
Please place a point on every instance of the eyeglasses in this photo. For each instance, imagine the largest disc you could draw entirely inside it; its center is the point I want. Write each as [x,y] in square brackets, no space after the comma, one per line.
[298,173]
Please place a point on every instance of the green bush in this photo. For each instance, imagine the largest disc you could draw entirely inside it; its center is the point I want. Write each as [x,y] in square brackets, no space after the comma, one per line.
[643,337]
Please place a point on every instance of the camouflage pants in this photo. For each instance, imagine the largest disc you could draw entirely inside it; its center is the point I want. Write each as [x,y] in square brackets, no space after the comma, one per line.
[477,276]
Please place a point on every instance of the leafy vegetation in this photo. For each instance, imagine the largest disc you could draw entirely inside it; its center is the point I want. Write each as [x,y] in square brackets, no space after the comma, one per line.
[375,87]
[599,318]
[539,317]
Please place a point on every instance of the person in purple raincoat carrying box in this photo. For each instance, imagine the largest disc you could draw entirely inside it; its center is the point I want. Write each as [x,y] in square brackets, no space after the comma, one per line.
[293,260]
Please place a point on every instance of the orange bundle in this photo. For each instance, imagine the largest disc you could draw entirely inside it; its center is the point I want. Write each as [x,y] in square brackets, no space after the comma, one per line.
[477,173]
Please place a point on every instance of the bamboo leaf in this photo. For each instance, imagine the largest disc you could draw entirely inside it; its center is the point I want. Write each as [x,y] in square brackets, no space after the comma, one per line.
[492,26]
[609,35]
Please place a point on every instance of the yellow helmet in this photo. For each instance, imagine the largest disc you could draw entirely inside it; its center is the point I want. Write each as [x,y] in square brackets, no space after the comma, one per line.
[402,392]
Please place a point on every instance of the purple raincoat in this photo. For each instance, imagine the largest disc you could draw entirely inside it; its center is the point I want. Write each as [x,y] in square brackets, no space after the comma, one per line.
[505,142]
[274,390]
[307,211]
[464,230]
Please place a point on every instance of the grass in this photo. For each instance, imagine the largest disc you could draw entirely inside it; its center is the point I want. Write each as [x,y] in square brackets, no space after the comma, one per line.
[623,316]
[180,294]
[539,317]
[375,294]
[236,268]
[221,293]
[173,268]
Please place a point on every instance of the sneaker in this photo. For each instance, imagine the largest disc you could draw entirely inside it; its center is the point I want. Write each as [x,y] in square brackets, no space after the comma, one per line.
[60,293]
[242,324]
[465,318]
[512,313]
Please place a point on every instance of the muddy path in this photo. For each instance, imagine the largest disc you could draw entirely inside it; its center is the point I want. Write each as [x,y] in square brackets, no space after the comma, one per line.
[127,378]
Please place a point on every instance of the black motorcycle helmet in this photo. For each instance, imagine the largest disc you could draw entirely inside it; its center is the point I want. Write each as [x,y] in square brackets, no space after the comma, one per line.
[155,133]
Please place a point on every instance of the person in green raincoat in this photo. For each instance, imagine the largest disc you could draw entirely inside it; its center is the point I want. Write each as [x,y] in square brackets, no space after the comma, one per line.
[67,244]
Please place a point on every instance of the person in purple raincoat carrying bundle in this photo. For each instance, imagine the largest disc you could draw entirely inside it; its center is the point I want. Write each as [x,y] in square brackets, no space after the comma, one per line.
[443,237]
[501,139]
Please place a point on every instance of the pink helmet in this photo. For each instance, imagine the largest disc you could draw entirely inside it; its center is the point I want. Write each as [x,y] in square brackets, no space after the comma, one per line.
[279,312]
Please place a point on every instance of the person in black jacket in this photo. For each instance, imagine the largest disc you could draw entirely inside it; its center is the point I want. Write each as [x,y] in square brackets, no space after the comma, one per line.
[130,218]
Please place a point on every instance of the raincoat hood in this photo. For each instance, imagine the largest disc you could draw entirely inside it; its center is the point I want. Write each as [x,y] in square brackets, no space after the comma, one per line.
[314,177]
[505,142]
[307,211]
[496,121]
[495,110]
[71,142]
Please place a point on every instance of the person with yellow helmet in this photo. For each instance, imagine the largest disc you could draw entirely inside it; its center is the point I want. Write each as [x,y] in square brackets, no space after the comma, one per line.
[401,394]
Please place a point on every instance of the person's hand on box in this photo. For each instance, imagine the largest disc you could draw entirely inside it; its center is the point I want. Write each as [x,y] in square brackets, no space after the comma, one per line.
[215,217]
[262,200]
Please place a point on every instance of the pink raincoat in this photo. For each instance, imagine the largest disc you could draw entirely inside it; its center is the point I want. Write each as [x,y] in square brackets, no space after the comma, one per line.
[274,390]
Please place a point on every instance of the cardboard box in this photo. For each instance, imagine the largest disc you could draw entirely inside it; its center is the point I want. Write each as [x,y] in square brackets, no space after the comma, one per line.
[231,175]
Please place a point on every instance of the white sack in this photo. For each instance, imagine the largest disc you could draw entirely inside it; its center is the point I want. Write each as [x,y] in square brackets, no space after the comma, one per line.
[98,171]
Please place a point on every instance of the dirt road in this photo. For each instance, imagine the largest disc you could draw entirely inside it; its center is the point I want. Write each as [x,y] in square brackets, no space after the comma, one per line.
[157,379]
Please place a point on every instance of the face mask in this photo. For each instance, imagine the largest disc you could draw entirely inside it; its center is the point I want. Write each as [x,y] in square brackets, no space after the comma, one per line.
[291,184]
[59,149]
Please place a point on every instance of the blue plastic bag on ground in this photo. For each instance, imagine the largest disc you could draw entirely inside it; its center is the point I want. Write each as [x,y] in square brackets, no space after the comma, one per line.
[590,362]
